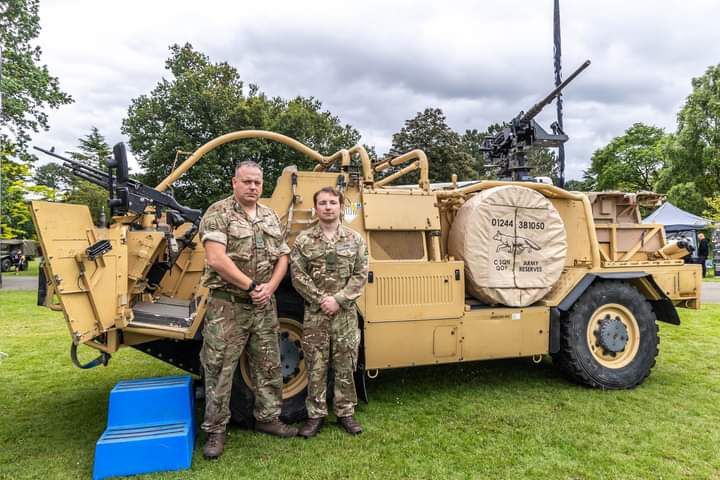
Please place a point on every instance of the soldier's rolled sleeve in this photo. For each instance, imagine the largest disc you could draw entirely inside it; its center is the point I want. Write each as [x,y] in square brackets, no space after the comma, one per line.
[354,287]
[283,248]
[213,227]
[301,280]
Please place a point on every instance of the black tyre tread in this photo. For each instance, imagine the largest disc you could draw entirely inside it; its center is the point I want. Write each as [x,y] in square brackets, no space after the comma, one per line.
[570,359]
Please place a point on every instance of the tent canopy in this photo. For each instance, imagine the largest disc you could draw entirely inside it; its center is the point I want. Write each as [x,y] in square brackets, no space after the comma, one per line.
[676,219]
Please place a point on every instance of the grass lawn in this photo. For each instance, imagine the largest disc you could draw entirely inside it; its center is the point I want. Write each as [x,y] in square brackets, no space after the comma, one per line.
[500,419]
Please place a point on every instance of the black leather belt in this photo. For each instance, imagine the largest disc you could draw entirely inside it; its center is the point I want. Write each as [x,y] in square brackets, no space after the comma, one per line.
[230,297]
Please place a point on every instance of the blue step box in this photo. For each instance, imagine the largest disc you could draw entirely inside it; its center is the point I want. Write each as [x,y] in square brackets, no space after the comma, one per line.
[150,428]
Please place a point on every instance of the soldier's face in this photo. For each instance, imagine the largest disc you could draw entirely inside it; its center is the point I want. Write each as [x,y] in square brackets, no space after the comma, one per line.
[327,207]
[247,185]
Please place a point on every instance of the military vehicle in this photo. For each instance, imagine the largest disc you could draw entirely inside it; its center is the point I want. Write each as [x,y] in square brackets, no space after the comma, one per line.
[27,248]
[487,270]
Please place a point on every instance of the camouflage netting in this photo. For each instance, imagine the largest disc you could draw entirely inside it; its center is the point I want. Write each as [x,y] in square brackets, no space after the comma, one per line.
[512,240]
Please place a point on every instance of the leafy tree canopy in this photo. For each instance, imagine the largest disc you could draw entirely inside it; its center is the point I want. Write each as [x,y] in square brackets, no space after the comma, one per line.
[27,86]
[697,154]
[443,146]
[204,100]
[687,196]
[630,162]
[28,90]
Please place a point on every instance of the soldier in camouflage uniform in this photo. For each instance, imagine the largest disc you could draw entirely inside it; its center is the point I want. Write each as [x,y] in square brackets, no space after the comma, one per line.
[329,266]
[246,258]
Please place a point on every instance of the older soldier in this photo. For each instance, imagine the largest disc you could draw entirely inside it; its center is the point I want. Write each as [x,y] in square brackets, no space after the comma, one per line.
[246,258]
[329,267]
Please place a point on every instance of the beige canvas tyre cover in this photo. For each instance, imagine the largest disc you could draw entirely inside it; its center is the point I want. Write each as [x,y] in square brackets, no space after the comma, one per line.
[512,240]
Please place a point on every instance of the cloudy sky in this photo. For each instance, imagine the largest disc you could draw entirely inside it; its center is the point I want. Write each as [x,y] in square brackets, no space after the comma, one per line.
[375,64]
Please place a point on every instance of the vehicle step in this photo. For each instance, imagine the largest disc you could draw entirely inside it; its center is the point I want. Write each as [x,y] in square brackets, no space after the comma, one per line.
[150,428]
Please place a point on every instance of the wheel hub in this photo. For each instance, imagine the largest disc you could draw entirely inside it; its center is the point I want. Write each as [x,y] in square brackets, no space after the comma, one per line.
[290,356]
[612,335]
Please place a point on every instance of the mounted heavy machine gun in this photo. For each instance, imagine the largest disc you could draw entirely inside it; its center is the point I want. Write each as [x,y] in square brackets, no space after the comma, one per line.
[507,150]
[128,196]
[130,199]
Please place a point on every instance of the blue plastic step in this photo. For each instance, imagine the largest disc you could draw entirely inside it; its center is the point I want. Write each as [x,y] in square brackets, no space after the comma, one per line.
[151,401]
[150,428]
[135,450]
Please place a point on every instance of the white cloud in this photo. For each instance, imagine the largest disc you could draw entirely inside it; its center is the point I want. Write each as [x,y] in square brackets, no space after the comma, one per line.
[375,64]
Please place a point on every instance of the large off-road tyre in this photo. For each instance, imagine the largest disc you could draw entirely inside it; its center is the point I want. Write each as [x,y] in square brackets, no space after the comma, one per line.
[5,265]
[292,360]
[609,339]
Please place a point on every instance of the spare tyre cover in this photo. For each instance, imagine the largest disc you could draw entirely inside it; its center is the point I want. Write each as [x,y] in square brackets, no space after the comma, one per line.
[512,240]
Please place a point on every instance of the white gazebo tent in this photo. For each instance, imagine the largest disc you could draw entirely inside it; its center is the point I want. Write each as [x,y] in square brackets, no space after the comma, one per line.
[679,224]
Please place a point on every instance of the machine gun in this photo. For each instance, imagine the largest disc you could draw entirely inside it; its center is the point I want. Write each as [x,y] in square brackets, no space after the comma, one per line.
[507,150]
[128,196]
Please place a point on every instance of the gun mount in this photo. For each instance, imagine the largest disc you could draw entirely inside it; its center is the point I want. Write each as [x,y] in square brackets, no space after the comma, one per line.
[507,150]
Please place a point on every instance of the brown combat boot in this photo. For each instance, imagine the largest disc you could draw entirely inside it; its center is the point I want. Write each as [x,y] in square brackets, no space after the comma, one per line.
[350,425]
[277,428]
[214,445]
[311,427]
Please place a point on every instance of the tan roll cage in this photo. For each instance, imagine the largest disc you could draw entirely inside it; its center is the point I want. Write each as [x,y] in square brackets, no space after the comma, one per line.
[323,161]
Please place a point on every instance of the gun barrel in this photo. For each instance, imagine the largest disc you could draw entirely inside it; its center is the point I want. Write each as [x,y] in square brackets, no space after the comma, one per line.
[92,178]
[79,166]
[535,109]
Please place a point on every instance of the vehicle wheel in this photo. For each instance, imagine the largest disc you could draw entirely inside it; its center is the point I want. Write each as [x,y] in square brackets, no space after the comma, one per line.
[610,338]
[5,265]
[294,374]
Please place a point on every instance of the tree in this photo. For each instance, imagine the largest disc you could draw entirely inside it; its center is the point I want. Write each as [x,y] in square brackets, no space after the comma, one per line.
[543,163]
[205,100]
[697,155]
[27,87]
[630,162]
[713,208]
[28,90]
[688,197]
[576,186]
[472,141]
[92,150]
[54,176]
[443,146]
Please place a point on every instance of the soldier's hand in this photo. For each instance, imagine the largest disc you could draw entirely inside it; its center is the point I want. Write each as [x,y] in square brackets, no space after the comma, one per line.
[262,294]
[329,305]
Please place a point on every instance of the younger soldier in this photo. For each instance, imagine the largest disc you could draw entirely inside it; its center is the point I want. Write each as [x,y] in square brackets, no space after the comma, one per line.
[246,257]
[329,267]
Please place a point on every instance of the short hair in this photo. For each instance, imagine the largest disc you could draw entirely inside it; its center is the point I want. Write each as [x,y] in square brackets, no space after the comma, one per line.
[247,163]
[332,191]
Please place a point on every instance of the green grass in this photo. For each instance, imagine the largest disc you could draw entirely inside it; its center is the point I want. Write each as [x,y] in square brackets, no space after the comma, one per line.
[500,419]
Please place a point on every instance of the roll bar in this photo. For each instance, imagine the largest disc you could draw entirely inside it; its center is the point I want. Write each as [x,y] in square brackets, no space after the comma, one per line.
[324,161]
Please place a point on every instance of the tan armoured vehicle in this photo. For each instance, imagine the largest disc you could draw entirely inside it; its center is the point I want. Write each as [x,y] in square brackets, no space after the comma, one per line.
[488,270]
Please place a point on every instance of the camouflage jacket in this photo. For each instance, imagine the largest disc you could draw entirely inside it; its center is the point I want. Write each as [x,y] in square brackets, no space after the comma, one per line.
[254,245]
[322,267]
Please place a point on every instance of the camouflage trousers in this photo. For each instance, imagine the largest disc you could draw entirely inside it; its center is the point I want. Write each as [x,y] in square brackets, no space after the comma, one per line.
[331,342]
[229,328]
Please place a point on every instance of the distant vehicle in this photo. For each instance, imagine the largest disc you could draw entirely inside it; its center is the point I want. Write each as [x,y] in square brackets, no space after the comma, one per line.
[28,248]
